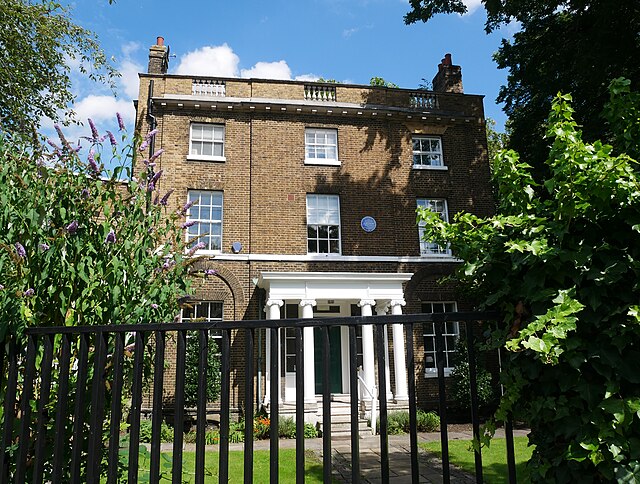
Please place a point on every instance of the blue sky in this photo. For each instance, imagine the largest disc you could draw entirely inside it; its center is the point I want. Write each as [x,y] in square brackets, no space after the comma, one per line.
[347,40]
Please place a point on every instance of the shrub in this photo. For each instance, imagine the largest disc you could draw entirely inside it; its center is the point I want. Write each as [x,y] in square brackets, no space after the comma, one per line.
[145,431]
[460,380]
[310,431]
[398,422]
[427,421]
[192,372]
[287,428]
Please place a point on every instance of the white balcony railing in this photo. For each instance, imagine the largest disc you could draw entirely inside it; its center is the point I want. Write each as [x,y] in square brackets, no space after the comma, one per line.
[208,87]
[315,92]
[423,100]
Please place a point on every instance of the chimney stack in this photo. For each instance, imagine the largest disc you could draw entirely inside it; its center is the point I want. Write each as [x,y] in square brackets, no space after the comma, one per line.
[158,57]
[449,77]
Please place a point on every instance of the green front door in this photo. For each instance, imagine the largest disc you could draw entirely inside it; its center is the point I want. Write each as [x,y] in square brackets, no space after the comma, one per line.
[335,359]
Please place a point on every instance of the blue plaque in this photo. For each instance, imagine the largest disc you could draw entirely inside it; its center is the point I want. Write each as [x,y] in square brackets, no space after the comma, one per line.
[368,224]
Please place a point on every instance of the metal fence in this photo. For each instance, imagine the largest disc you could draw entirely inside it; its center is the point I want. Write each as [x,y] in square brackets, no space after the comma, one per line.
[63,390]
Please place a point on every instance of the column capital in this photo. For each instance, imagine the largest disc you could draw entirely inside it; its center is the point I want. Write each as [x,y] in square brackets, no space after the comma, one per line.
[308,302]
[398,302]
[274,302]
[381,309]
[367,302]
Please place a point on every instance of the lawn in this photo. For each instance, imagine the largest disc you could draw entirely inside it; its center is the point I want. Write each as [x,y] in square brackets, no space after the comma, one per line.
[287,465]
[494,458]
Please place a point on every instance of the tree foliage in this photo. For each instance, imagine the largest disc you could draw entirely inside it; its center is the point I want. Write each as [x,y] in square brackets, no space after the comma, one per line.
[381,82]
[41,46]
[574,46]
[561,261]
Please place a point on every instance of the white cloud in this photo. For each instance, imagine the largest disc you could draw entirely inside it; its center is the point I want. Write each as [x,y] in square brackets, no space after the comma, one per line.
[210,61]
[103,108]
[268,70]
[346,33]
[307,77]
[130,48]
[472,5]
[129,80]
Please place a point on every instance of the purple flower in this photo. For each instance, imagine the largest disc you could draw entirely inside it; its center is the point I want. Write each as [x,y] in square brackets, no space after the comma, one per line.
[111,237]
[186,207]
[143,146]
[29,292]
[168,264]
[20,250]
[72,228]
[94,130]
[61,135]
[156,177]
[198,246]
[120,122]
[188,224]
[112,138]
[165,199]
[43,247]
[151,187]
[84,193]
[156,155]
[154,306]
[53,145]
[92,163]
[1,287]
[210,272]
[151,134]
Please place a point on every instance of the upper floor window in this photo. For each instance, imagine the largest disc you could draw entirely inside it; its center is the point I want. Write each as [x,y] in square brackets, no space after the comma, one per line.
[206,213]
[321,146]
[439,206]
[450,333]
[323,224]
[206,142]
[427,152]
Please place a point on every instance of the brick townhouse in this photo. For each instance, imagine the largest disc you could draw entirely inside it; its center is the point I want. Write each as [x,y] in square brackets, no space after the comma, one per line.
[306,194]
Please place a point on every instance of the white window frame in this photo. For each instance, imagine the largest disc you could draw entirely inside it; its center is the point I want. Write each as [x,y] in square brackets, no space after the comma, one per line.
[431,249]
[214,141]
[313,147]
[199,232]
[450,335]
[429,158]
[315,203]
[214,334]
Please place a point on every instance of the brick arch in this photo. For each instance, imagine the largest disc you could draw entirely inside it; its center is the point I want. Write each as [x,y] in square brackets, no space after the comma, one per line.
[426,274]
[229,279]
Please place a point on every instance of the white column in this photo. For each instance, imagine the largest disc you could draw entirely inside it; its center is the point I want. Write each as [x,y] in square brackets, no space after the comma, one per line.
[381,310]
[399,352]
[273,312]
[368,360]
[309,365]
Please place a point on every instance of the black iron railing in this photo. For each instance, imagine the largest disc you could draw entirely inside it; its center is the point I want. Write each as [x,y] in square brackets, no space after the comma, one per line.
[65,386]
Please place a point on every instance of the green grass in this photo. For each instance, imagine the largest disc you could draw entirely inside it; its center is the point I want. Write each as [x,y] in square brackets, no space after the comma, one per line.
[494,458]
[287,466]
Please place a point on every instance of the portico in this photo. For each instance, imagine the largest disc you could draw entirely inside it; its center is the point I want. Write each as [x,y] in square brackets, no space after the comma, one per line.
[335,294]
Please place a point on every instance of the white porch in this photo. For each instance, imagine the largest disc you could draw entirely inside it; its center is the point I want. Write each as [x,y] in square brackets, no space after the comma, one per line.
[335,294]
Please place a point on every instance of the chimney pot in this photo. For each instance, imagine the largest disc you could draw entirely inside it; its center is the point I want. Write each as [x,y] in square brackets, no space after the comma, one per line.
[447,60]
[160,41]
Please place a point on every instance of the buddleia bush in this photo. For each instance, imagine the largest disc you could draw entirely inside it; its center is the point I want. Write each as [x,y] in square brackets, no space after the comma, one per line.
[84,245]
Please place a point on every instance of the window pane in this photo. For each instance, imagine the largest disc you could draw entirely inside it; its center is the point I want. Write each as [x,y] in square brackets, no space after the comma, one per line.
[335,246]
[323,247]
[312,246]
[207,133]
[323,231]
[312,231]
